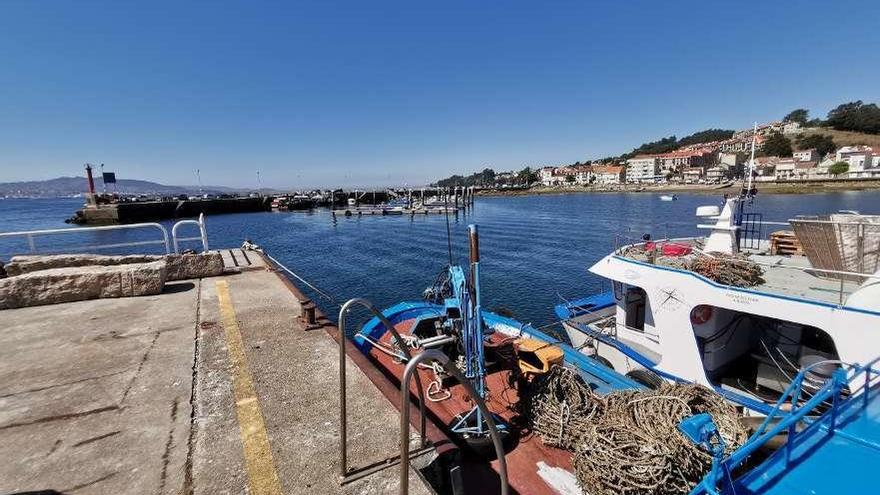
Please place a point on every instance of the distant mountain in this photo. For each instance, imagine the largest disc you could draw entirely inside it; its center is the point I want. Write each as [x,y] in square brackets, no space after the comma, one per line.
[71,186]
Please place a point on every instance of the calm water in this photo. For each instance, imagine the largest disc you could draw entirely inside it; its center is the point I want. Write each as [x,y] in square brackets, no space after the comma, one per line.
[535,250]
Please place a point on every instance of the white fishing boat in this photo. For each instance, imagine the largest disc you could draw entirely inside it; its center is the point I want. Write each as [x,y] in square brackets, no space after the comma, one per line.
[733,310]
[668,197]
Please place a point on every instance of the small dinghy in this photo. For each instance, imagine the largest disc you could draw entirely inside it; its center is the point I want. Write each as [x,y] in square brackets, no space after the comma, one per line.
[668,197]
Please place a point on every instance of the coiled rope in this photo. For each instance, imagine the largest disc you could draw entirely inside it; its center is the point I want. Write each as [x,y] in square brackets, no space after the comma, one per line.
[627,442]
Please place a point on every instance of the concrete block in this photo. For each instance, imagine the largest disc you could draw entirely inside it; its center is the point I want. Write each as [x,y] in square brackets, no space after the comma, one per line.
[19,265]
[59,285]
[186,266]
[180,266]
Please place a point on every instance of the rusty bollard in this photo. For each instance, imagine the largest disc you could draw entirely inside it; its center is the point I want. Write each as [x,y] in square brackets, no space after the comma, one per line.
[309,316]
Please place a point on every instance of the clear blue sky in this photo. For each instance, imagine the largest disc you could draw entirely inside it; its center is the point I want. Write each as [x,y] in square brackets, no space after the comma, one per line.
[364,93]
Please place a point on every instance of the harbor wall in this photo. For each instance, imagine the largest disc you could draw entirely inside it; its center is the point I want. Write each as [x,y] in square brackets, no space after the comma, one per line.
[150,211]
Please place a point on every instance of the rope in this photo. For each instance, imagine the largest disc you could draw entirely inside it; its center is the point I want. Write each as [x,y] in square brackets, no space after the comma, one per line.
[627,442]
[310,286]
[733,270]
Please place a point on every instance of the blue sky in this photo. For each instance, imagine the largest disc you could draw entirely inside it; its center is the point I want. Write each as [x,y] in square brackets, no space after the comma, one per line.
[367,93]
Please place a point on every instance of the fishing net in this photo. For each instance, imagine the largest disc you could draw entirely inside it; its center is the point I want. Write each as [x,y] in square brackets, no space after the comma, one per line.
[735,270]
[628,442]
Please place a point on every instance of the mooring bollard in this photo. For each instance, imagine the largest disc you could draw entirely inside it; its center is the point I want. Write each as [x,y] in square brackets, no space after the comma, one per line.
[309,315]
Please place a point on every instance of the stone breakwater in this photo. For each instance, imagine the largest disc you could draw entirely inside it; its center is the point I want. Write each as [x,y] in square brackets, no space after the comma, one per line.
[40,280]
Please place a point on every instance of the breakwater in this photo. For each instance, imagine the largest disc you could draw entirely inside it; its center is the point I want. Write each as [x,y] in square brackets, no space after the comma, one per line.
[150,211]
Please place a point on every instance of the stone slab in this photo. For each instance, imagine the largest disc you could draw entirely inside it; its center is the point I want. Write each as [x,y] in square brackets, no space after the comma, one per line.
[180,266]
[60,285]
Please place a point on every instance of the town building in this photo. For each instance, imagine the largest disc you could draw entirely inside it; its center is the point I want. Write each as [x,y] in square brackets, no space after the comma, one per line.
[692,174]
[858,157]
[642,168]
[676,161]
[810,155]
[718,173]
[784,168]
[742,144]
[609,174]
[791,128]
[547,176]
[730,160]
[806,170]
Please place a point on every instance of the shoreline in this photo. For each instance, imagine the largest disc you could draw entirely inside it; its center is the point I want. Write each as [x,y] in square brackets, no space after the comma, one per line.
[762,187]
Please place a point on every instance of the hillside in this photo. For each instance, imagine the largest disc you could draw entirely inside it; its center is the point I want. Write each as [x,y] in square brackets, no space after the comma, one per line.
[846,138]
[70,186]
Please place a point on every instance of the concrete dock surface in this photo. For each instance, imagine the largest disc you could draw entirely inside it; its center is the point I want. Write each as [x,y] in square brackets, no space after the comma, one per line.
[211,387]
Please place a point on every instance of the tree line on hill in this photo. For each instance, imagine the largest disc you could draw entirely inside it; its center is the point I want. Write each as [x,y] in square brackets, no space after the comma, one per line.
[855,116]
[488,177]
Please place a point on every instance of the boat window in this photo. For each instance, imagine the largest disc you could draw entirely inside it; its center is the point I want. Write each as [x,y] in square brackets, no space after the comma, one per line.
[635,300]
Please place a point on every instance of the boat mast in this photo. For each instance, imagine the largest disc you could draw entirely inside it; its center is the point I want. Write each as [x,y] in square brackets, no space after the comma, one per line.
[748,191]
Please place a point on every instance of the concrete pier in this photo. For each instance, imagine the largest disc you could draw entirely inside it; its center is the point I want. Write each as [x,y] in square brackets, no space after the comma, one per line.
[149,211]
[213,386]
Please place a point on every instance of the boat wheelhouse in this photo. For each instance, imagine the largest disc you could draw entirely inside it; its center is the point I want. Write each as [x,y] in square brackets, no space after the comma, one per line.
[733,311]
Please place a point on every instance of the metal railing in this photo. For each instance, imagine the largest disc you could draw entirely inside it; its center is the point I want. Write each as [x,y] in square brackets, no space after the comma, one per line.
[443,359]
[31,235]
[779,421]
[203,234]
[347,475]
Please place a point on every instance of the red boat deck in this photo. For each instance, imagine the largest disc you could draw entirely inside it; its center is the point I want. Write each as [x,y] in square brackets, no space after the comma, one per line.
[524,454]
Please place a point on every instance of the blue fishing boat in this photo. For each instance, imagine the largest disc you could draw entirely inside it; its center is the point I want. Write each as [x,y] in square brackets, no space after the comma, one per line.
[832,440]
[475,365]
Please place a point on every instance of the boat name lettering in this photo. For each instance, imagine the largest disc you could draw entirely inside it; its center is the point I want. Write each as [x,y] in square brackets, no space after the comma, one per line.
[741,298]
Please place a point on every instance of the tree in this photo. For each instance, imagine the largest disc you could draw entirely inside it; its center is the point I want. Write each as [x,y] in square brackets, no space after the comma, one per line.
[823,143]
[855,116]
[487,176]
[838,168]
[801,115]
[569,178]
[527,176]
[777,145]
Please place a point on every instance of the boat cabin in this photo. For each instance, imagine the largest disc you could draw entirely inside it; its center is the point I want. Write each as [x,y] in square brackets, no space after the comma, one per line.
[737,312]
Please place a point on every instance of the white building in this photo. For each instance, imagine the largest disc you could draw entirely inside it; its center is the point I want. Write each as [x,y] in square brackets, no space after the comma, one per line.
[642,168]
[791,128]
[607,175]
[547,177]
[810,155]
[858,157]
[785,168]
[718,173]
[692,174]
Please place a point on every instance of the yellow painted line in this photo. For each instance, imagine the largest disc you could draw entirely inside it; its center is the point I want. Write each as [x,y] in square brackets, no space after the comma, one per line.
[262,476]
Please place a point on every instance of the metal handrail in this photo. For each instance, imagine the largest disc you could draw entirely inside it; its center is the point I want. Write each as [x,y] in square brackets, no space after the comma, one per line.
[30,234]
[798,413]
[203,234]
[343,417]
[443,359]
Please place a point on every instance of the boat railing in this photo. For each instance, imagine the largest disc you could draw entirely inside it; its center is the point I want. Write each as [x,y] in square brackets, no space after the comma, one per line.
[796,408]
[162,239]
[347,474]
[441,358]
[841,275]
